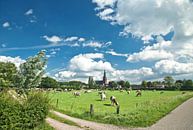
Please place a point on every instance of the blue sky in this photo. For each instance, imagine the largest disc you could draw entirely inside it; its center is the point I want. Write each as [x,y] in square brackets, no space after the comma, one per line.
[82,38]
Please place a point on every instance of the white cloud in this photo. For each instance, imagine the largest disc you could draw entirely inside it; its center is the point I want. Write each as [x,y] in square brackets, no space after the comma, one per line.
[84,65]
[81,39]
[53,39]
[96,44]
[104,3]
[16,60]
[6,25]
[29,12]
[173,67]
[86,62]
[112,52]
[65,74]
[93,44]
[3,45]
[157,51]
[70,39]
[147,19]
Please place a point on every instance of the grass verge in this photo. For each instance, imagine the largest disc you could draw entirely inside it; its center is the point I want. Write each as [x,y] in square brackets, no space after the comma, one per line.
[60,119]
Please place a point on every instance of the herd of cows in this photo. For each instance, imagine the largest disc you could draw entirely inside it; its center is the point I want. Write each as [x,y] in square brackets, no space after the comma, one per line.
[103,96]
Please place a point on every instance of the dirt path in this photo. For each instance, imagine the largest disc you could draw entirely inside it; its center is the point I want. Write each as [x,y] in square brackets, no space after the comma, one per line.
[90,124]
[179,119]
[61,126]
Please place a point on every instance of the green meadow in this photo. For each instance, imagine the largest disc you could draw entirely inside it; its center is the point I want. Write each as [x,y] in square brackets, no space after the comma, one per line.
[134,111]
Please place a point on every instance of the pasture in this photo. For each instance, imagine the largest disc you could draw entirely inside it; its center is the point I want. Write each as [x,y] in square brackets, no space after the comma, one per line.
[135,111]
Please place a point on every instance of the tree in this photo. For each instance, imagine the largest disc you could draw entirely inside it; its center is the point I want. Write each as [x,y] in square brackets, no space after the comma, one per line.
[113,84]
[90,82]
[169,81]
[149,84]
[48,82]
[187,84]
[144,84]
[31,72]
[122,83]
[127,84]
[8,72]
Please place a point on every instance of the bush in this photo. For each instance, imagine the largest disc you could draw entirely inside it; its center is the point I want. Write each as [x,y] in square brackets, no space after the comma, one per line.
[27,115]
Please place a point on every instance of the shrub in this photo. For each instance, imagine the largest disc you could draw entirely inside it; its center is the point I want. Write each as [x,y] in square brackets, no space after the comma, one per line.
[28,115]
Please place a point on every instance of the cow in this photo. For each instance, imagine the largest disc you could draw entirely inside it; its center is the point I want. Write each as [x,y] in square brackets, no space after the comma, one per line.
[76,94]
[103,96]
[128,92]
[138,93]
[87,91]
[113,101]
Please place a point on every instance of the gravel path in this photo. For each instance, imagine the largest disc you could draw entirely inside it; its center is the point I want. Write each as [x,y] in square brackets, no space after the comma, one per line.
[179,119]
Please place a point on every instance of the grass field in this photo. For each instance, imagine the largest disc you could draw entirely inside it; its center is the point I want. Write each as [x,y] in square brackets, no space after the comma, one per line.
[134,111]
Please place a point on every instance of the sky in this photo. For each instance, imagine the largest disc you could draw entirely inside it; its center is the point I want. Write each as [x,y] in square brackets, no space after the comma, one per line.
[131,40]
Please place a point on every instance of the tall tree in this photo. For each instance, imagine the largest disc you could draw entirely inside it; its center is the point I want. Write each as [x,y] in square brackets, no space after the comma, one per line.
[169,81]
[127,84]
[32,70]
[144,84]
[90,82]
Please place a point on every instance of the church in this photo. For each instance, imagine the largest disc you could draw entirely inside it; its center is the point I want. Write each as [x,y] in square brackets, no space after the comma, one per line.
[102,82]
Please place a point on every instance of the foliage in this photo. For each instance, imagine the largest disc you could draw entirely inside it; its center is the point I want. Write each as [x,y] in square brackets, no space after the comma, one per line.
[48,82]
[31,72]
[91,83]
[8,72]
[28,115]
[169,81]
[144,84]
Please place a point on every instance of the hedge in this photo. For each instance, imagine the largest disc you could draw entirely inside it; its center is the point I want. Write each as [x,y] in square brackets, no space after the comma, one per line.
[28,115]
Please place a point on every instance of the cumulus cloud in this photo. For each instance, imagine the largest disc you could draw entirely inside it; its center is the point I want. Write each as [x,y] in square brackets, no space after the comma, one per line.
[91,64]
[6,25]
[173,67]
[86,62]
[146,19]
[65,75]
[155,52]
[53,39]
[16,60]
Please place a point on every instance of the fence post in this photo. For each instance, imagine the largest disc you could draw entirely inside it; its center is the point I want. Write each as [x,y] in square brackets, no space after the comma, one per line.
[118,109]
[91,110]
[57,103]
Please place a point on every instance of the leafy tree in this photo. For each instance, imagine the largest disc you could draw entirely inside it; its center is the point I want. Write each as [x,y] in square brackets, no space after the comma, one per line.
[154,83]
[169,81]
[122,83]
[144,84]
[187,84]
[127,84]
[149,84]
[48,82]
[32,70]
[90,82]
[8,72]
[113,84]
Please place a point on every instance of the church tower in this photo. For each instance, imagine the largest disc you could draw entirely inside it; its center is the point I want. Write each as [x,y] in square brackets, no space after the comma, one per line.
[104,79]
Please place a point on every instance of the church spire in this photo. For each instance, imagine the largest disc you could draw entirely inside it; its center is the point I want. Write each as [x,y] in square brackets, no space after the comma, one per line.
[104,79]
